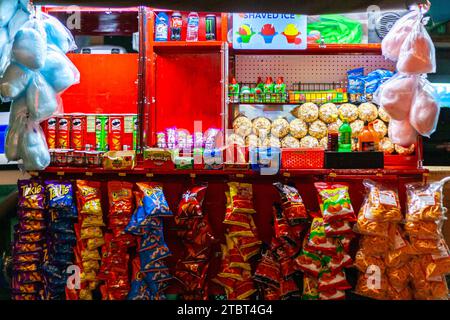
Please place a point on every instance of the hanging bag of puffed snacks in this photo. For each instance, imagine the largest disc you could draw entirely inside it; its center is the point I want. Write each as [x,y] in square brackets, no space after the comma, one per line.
[383,202]
[33,148]
[335,201]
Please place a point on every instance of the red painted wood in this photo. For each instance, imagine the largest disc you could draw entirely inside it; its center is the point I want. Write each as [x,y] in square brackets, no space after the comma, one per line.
[188,89]
[108,84]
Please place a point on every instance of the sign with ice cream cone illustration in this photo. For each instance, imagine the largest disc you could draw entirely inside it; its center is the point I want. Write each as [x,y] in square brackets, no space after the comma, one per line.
[269,31]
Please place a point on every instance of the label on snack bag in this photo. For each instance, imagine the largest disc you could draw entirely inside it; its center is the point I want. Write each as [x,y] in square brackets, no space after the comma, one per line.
[427,200]
[399,242]
[388,198]
[443,251]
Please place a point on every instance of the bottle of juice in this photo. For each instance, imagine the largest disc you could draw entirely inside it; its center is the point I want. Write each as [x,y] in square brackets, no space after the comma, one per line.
[161,27]
[345,137]
[192,27]
[333,137]
[176,23]
[367,139]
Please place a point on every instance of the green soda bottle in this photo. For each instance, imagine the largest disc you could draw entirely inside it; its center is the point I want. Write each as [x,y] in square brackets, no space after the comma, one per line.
[345,137]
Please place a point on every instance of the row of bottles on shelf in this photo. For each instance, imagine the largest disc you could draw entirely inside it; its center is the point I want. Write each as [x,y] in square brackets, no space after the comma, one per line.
[341,140]
[164,26]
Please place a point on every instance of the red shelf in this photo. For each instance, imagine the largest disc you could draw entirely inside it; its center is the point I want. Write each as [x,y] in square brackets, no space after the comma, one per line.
[185,46]
[245,173]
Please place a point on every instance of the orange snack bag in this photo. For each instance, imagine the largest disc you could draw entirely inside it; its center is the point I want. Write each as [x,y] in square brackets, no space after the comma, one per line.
[399,277]
[425,201]
[424,229]
[372,286]
[374,245]
[371,228]
[383,203]
[363,261]
[401,250]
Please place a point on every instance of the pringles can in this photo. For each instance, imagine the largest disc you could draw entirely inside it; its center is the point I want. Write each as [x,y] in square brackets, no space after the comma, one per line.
[91,136]
[63,129]
[116,131]
[101,133]
[49,127]
[78,132]
[210,25]
[128,129]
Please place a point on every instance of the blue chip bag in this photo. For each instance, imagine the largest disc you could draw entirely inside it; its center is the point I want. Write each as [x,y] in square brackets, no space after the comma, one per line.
[59,194]
[149,257]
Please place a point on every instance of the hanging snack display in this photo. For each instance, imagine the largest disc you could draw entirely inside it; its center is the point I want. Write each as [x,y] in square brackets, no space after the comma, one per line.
[27,282]
[194,230]
[242,243]
[151,274]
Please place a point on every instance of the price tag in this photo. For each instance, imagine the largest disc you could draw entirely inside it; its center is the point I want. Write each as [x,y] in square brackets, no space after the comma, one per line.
[192,175]
[89,174]
[122,174]
[286,174]
[149,175]
[60,173]
[239,175]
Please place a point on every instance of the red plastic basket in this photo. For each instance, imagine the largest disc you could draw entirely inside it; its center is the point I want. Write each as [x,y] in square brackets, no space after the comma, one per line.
[312,158]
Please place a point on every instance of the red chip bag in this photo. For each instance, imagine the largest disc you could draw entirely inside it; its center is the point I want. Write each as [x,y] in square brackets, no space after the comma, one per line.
[120,195]
[89,197]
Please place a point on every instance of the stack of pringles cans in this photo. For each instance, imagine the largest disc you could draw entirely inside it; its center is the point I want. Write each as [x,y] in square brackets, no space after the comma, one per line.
[81,140]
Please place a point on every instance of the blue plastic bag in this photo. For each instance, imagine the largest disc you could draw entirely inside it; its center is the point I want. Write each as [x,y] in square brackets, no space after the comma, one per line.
[7,10]
[30,47]
[18,21]
[42,101]
[14,81]
[33,148]
[58,34]
[17,122]
[3,38]
[59,71]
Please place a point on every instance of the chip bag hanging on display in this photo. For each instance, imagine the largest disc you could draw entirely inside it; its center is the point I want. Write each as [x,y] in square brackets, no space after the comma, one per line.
[383,203]
[58,34]
[425,204]
[89,197]
[30,45]
[334,201]
[402,133]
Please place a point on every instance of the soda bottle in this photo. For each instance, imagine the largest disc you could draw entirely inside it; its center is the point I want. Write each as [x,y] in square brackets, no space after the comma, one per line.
[176,23]
[345,137]
[192,27]
[161,27]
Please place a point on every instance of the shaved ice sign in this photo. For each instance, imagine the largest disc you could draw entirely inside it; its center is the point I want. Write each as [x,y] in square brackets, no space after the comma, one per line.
[269,31]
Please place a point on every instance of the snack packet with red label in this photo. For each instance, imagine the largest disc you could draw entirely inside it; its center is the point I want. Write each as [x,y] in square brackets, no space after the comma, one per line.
[89,197]
[241,196]
[334,201]
[318,241]
[310,288]
[120,195]
[292,204]
[329,281]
